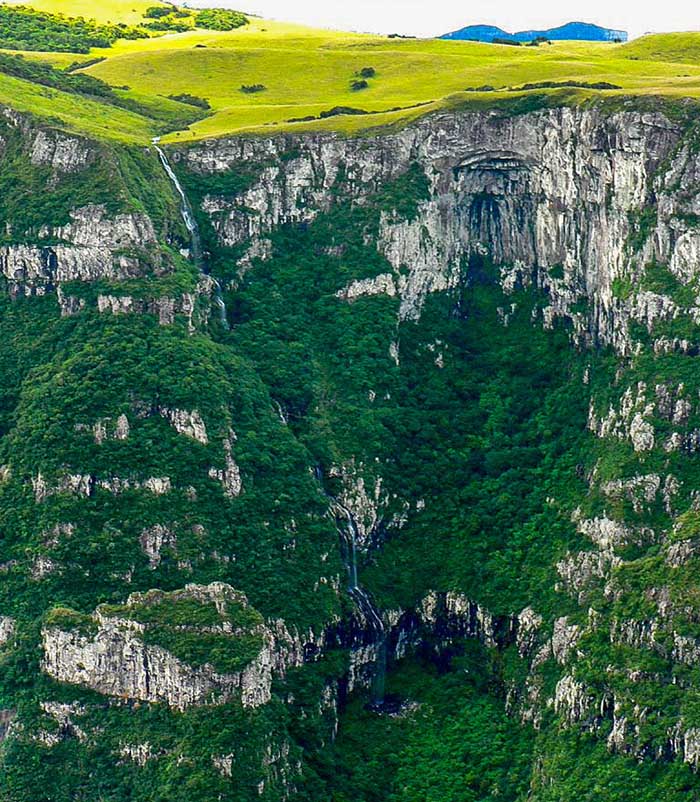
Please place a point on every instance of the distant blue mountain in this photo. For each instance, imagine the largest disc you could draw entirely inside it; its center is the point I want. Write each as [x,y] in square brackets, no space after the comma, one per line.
[479,33]
[582,31]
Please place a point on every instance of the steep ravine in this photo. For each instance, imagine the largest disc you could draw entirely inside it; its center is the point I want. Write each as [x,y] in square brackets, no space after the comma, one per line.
[452,432]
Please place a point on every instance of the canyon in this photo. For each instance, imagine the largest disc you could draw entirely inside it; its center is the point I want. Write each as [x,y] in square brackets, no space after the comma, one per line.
[291,413]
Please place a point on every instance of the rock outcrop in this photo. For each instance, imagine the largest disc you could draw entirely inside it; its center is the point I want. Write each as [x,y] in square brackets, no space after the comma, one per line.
[117,659]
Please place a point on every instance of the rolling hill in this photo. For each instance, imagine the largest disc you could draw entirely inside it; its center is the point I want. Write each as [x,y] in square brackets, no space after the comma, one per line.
[191,84]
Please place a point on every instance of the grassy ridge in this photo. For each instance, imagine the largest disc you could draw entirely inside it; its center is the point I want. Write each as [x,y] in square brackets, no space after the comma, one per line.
[76,113]
[670,47]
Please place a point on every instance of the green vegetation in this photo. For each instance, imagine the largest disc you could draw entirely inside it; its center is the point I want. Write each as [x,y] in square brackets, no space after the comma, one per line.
[178,20]
[641,225]
[23,28]
[503,431]
[191,100]
[67,619]
[213,53]
[622,287]
[450,741]
[481,428]
[670,47]
[129,12]
[46,75]
[220,19]
[87,105]
[496,435]
[318,69]
[252,89]
[178,610]
[225,653]
[659,279]
[557,272]
[245,733]
[176,623]
[578,767]
[565,84]
[409,72]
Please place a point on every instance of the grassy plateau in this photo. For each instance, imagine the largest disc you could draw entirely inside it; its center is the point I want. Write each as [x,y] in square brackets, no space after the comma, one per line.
[299,74]
[295,75]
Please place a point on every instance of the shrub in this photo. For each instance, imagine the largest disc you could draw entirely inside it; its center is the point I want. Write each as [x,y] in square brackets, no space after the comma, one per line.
[156,12]
[557,271]
[367,72]
[191,100]
[83,65]
[336,110]
[252,89]
[220,19]
[167,24]
[359,85]
[70,620]
[44,74]
[566,85]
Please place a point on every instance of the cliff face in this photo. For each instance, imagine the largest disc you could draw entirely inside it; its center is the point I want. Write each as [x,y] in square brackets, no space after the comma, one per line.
[459,378]
[555,191]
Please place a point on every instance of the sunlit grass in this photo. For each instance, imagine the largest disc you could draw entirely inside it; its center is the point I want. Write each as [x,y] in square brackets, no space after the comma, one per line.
[307,71]
[75,113]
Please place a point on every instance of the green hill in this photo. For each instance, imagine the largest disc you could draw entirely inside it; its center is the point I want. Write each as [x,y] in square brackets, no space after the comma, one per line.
[669,47]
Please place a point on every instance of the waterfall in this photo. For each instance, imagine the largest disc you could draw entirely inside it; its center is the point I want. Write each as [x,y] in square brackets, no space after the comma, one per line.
[190,221]
[360,596]
[367,606]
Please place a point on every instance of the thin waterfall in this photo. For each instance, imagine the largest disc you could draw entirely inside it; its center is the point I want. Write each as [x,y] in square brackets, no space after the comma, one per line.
[360,596]
[190,221]
[367,606]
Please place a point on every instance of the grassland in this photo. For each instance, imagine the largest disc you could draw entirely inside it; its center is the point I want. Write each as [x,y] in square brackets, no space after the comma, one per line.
[75,113]
[306,72]
[683,48]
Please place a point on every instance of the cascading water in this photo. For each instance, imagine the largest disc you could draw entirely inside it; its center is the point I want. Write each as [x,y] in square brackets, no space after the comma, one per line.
[196,251]
[368,608]
[360,596]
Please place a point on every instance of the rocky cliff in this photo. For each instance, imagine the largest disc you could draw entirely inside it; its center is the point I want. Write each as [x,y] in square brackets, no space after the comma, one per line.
[458,393]
[553,197]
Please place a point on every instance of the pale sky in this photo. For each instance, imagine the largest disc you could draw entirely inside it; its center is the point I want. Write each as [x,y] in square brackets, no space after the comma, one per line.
[435,17]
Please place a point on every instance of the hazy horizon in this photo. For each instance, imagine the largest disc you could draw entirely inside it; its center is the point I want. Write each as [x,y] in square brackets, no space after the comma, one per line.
[410,17]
